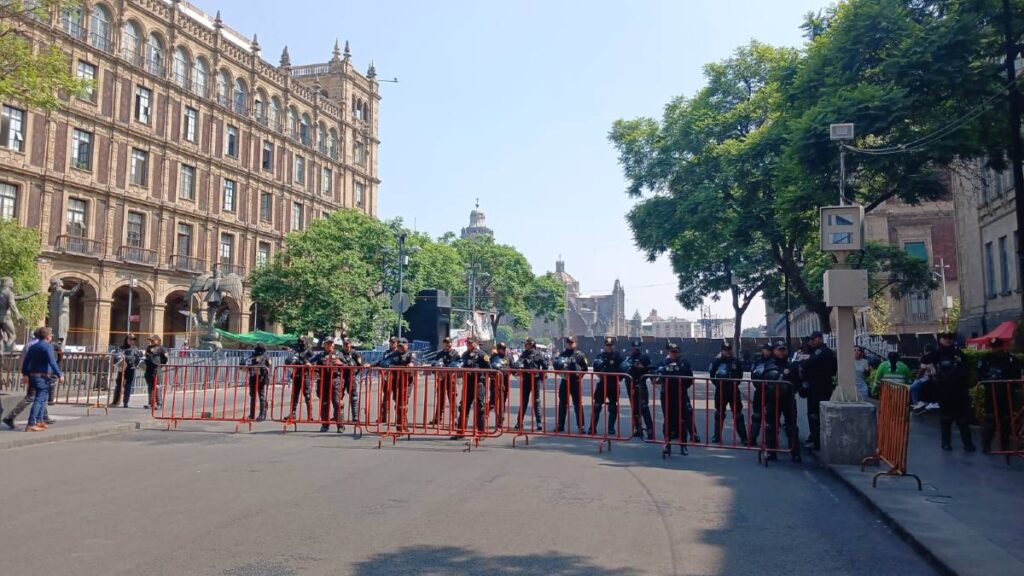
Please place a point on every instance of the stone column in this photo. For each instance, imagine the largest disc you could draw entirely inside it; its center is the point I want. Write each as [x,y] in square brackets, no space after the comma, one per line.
[99,309]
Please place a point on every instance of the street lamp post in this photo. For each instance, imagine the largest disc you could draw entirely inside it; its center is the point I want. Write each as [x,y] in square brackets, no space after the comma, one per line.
[941,275]
[132,283]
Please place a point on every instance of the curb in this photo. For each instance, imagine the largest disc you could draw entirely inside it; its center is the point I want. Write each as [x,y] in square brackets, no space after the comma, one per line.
[22,440]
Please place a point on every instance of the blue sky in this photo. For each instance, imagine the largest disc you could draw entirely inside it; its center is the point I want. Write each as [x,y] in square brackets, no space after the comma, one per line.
[511,102]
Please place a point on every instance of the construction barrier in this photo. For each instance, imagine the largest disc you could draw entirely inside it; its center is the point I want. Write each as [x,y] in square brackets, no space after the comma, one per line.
[1004,418]
[893,432]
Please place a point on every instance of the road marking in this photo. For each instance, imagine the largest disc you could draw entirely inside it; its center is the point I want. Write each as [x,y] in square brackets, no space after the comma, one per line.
[820,485]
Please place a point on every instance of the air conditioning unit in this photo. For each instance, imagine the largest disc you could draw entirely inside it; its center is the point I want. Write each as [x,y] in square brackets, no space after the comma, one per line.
[840,131]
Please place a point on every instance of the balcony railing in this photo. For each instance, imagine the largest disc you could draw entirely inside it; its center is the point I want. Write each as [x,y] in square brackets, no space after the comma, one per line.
[79,245]
[262,120]
[227,268]
[199,89]
[187,263]
[156,67]
[182,80]
[74,29]
[137,255]
[133,57]
[224,100]
[100,41]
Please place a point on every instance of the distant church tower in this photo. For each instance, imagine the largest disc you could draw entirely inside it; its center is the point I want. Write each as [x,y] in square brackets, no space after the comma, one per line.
[477,224]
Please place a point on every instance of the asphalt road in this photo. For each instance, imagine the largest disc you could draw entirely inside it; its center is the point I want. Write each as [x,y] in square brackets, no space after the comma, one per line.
[195,501]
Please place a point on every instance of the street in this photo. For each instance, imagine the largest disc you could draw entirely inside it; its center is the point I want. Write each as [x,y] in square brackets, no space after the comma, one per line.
[206,501]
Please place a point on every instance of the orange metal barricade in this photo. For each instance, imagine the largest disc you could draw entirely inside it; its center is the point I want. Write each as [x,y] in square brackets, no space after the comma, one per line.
[205,393]
[1004,418]
[893,432]
[307,394]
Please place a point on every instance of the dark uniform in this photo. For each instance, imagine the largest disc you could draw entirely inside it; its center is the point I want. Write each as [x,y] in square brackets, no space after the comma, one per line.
[474,390]
[155,357]
[350,359]
[257,369]
[302,377]
[638,365]
[608,363]
[530,383]
[676,378]
[954,396]
[131,357]
[775,382]
[725,375]
[1000,374]
[817,372]
[571,385]
[447,382]
[398,383]
[499,385]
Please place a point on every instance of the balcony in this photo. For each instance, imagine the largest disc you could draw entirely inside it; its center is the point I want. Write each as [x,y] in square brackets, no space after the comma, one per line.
[136,255]
[74,29]
[187,263]
[155,66]
[102,42]
[226,268]
[182,81]
[78,245]
[199,88]
[133,57]
[223,100]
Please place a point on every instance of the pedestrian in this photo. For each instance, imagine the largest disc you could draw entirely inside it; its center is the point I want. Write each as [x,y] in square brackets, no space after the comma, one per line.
[531,380]
[676,378]
[775,381]
[638,366]
[131,357]
[474,387]
[817,373]
[726,373]
[257,368]
[953,393]
[861,373]
[999,372]
[893,369]
[154,357]
[30,393]
[300,361]
[447,381]
[328,366]
[571,362]
[40,366]
[608,366]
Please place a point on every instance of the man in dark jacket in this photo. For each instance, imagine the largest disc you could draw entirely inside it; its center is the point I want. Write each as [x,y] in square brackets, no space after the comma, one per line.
[154,357]
[608,365]
[775,381]
[676,378]
[300,362]
[817,373]
[474,387]
[257,369]
[447,382]
[573,361]
[638,365]
[954,395]
[726,372]
[130,358]
[531,382]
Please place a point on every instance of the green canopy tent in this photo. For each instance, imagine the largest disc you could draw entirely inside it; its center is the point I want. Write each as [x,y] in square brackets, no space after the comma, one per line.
[259,336]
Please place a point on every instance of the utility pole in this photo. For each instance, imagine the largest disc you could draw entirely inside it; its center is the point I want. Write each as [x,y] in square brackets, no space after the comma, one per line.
[401,276]
[1016,146]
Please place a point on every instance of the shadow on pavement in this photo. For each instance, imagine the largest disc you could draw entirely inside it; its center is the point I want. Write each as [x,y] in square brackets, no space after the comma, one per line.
[436,560]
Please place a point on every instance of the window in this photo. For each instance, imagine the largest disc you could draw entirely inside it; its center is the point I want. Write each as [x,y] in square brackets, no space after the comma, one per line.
[136,230]
[99,34]
[187,188]
[328,180]
[998,183]
[360,153]
[297,213]
[360,192]
[300,169]
[332,145]
[919,307]
[268,155]
[8,201]
[266,207]
[227,248]
[1004,265]
[87,72]
[222,88]
[73,21]
[131,42]
[293,122]
[321,139]
[140,167]
[190,126]
[12,128]
[200,75]
[917,250]
[990,271]
[155,55]
[229,195]
[357,109]
[180,67]
[274,114]
[184,240]
[259,111]
[304,134]
[77,220]
[231,142]
[81,149]
[142,100]
[262,254]
[241,97]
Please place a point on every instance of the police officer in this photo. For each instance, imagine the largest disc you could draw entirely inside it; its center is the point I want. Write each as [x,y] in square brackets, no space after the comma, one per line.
[154,357]
[573,361]
[499,361]
[531,382]
[999,372]
[954,397]
[606,364]
[329,373]
[387,379]
[817,372]
[257,369]
[350,359]
[775,381]
[676,380]
[638,365]
[726,371]
[300,361]
[474,386]
[130,357]
[402,383]
[447,382]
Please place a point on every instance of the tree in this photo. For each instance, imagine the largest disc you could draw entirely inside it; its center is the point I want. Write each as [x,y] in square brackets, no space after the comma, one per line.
[34,75]
[19,250]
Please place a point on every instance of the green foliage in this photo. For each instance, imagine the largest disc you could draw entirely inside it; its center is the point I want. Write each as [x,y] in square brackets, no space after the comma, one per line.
[547,299]
[19,249]
[34,76]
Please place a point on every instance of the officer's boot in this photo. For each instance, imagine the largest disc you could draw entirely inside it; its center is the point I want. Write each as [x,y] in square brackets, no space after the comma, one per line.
[252,407]
[648,421]
[613,417]
[965,437]
[684,435]
[354,406]
[595,418]
[263,411]
[741,428]
[946,429]
[716,438]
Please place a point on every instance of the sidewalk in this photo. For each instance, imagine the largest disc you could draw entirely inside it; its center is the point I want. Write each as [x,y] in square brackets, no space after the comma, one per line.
[970,515]
[72,423]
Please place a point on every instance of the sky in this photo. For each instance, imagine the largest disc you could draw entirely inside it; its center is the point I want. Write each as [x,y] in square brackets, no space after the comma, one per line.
[511,102]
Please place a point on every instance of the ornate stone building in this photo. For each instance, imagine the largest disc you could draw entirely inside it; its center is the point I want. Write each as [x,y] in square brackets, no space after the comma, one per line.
[191,153]
[477,224]
[586,315]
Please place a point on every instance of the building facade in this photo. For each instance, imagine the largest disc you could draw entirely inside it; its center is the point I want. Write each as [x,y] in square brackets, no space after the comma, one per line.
[657,327]
[477,225]
[585,315]
[190,154]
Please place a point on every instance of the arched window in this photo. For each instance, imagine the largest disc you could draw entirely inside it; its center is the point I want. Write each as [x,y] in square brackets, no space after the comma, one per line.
[181,67]
[366,111]
[357,109]
[155,55]
[293,123]
[304,132]
[241,96]
[274,114]
[131,42]
[332,144]
[223,88]
[99,25]
[259,109]
[73,21]
[321,138]
[200,76]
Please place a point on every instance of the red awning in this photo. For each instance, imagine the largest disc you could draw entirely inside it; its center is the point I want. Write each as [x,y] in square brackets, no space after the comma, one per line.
[1004,331]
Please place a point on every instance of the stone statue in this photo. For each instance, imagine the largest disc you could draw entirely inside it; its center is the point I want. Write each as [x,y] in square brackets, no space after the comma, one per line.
[59,308]
[214,287]
[9,313]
